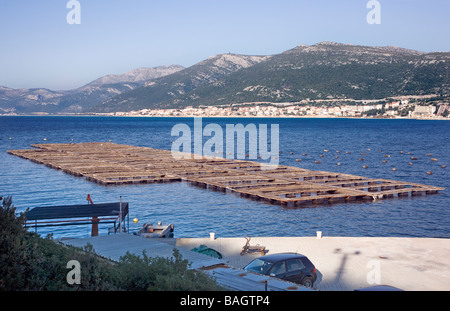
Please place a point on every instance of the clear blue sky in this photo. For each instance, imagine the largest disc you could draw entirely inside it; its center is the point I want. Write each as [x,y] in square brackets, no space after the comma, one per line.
[38,48]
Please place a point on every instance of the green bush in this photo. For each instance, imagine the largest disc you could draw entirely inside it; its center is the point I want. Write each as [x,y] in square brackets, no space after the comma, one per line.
[31,263]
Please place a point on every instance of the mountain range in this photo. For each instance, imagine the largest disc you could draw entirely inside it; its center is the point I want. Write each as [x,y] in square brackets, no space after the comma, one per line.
[326,70]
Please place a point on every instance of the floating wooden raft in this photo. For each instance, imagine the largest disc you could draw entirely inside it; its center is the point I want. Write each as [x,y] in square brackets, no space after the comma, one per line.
[114,164]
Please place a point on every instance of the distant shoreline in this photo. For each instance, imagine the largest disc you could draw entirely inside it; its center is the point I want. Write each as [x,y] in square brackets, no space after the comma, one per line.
[224,117]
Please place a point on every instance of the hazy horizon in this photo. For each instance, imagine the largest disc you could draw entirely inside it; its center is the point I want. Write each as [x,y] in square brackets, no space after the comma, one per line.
[42,50]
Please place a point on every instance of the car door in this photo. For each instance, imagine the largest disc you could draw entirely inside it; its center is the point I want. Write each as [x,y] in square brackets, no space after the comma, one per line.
[294,270]
[278,270]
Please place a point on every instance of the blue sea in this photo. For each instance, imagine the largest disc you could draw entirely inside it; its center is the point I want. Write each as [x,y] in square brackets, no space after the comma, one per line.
[196,212]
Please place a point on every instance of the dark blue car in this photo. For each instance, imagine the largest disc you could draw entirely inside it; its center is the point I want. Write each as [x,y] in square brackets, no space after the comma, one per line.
[291,267]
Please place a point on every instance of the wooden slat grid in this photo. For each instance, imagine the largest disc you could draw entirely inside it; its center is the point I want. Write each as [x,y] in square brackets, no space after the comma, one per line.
[114,164]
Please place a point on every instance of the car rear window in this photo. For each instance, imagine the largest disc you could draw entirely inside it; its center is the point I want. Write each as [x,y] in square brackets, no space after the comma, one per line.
[294,265]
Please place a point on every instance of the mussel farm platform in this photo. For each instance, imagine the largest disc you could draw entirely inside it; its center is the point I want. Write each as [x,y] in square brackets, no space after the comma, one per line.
[115,164]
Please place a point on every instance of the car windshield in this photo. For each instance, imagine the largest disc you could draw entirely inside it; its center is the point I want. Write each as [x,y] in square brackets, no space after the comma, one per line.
[259,266]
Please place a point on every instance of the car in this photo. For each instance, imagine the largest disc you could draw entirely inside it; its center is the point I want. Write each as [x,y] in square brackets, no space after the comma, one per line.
[291,267]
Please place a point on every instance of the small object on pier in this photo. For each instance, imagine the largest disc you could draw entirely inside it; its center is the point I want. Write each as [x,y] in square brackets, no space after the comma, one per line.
[158,231]
[247,248]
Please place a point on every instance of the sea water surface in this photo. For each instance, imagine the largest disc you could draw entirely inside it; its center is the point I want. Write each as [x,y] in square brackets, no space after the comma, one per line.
[197,212]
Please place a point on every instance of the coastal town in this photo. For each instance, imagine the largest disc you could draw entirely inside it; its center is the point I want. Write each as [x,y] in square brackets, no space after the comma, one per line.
[363,109]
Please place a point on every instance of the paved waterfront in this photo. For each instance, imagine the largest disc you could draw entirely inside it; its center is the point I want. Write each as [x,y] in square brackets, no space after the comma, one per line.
[343,263]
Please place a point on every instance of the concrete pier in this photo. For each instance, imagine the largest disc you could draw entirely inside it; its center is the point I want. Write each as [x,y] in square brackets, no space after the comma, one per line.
[342,263]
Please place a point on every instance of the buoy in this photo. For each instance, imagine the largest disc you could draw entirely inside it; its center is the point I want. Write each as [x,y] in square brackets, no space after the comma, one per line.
[45,138]
[368,149]
[135,220]
[10,138]
[394,169]
[339,164]
[429,173]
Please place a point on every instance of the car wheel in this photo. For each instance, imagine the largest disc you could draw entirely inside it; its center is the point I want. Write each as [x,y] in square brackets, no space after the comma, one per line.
[307,282]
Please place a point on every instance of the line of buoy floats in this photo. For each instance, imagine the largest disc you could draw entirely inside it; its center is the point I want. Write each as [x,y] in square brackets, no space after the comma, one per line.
[362,159]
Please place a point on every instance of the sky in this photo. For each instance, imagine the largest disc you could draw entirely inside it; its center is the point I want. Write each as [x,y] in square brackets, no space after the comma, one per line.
[40,49]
